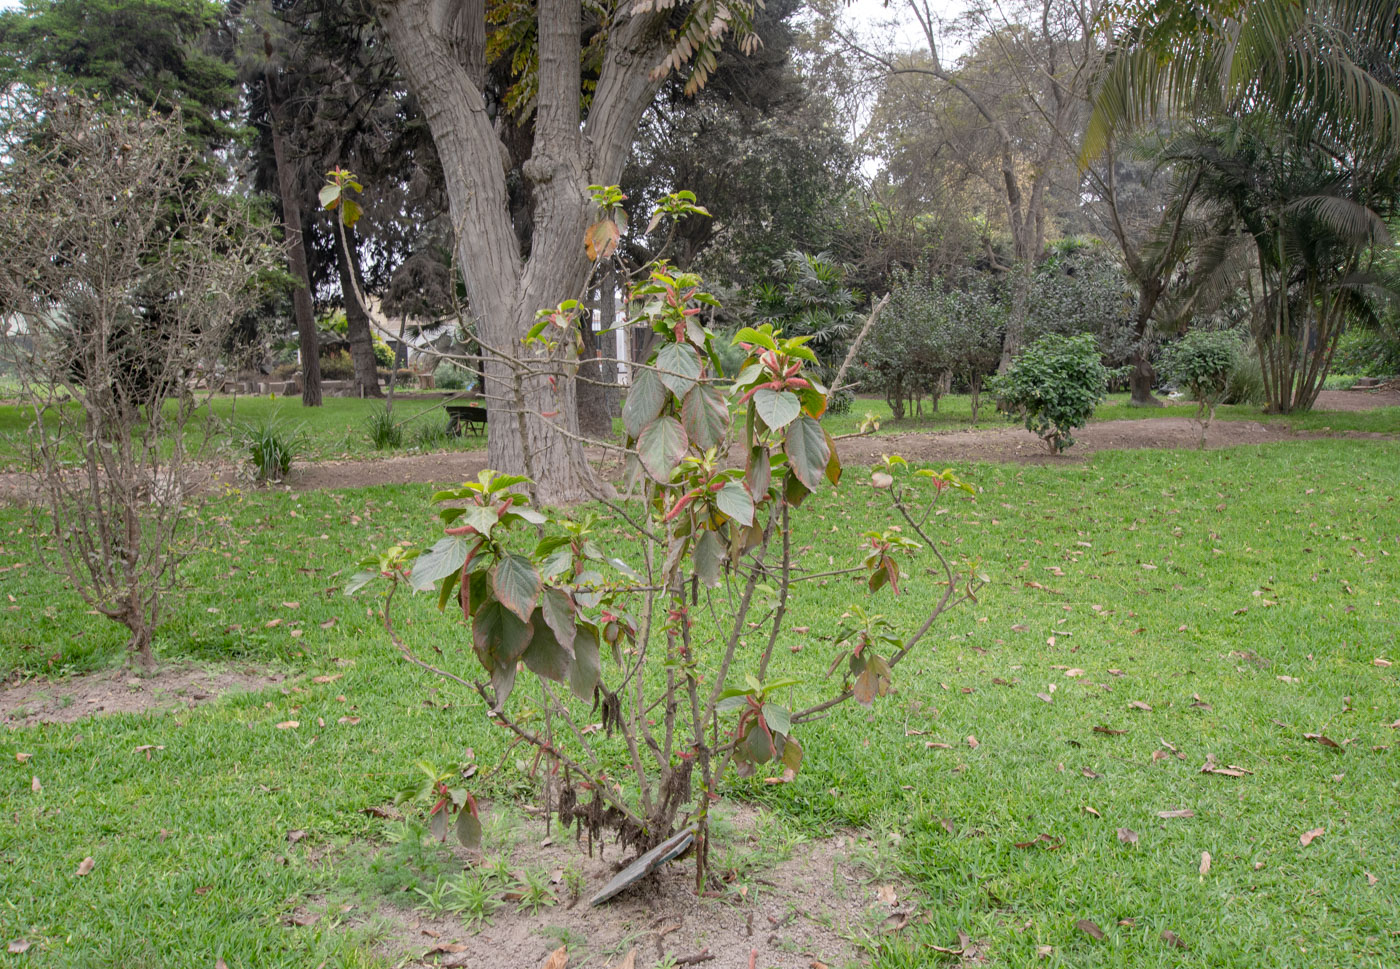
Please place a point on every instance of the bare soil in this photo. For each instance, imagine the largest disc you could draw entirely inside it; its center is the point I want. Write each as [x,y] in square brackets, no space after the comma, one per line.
[1005,444]
[32,702]
[795,904]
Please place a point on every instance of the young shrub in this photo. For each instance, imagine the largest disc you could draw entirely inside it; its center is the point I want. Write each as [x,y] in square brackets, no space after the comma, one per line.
[126,265]
[431,435]
[689,692]
[1054,385]
[1245,385]
[272,445]
[1201,363]
[384,432]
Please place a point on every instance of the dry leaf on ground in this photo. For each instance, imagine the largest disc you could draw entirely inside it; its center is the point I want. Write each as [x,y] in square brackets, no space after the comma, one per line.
[1182,813]
[18,946]
[629,961]
[1172,939]
[289,725]
[558,959]
[85,866]
[1128,836]
[1089,927]
[1205,863]
[1307,837]
[885,894]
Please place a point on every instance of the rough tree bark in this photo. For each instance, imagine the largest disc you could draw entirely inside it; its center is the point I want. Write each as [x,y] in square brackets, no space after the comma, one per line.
[357,329]
[296,247]
[504,289]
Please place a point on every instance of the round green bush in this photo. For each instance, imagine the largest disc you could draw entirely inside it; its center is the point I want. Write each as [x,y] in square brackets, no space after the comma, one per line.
[1201,363]
[1054,384]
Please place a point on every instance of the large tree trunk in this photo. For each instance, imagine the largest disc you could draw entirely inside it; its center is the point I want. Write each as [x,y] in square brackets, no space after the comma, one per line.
[296,250]
[357,328]
[533,427]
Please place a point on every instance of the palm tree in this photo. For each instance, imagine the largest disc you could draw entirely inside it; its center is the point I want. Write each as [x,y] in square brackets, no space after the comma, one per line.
[1325,68]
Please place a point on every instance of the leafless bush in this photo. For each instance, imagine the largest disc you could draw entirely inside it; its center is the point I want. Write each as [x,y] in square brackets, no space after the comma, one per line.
[124,267]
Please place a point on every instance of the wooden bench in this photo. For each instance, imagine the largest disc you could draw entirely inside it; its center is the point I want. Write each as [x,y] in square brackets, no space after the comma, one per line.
[473,416]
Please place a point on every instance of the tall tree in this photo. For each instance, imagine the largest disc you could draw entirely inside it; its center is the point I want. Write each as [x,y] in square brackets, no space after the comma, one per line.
[522,251]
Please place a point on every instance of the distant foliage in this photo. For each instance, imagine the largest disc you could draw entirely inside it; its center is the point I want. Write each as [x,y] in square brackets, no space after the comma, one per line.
[384,433]
[1081,288]
[1054,385]
[1201,363]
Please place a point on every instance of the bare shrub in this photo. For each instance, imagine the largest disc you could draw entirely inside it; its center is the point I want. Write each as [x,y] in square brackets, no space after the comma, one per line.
[125,266]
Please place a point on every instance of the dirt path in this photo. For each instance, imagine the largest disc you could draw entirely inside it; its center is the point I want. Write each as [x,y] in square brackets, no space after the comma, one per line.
[1008,444]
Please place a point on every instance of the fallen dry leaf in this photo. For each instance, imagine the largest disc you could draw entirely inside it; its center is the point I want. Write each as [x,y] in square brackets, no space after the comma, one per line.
[1128,836]
[326,679]
[1172,939]
[85,866]
[1381,661]
[1181,813]
[558,959]
[350,720]
[23,757]
[1101,728]
[18,946]
[289,725]
[294,836]
[1090,928]
[1074,674]
[34,785]
[885,895]
[1044,951]
[1323,739]
[972,742]
[1046,840]
[1139,705]
[1046,697]
[1205,863]
[937,745]
[1088,772]
[1371,879]
[1089,810]
[1307,837]
[220,964]
[629,961]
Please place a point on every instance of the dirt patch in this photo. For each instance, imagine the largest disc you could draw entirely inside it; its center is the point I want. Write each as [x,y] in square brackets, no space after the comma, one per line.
[34,702]
[1354,400]
[796,902]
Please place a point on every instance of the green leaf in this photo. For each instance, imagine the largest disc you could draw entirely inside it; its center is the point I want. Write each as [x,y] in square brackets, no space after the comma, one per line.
[445,590]
[707,557]
[329,196]
[705,415]
[445,557]
[439,825]
[586,669]
[777,408]
[749,335]
[792,754]
[807,452]
[359,580]
[469,829]
[661,446]
[736,502]
[731,703]
[779,720]
[546,656]
[759,473]
[833,464]
[758,746]
[558,611]
[516,584]
[499,637]
[680,366]
[644,402]
[350,212]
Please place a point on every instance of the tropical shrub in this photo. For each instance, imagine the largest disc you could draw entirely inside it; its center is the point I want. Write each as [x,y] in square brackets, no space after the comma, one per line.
[1054,384]
[1201,363]
[689,625]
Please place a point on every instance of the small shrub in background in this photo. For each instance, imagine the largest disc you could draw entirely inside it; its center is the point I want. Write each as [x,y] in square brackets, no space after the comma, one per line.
[1245,385]
[1054,384]
[449,376]
[431,435]
[384,433]
[337,365]
[383,355]
[272,445]
[1201,363]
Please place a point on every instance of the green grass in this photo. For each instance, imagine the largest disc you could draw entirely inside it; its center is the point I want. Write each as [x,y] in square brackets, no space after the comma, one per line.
[955,414]
[334,430]
[1311,527]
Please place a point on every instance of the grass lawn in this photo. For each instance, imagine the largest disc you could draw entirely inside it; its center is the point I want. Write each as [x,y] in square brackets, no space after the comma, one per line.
[955,414]
[336,429]
[1242,595]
